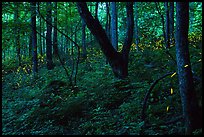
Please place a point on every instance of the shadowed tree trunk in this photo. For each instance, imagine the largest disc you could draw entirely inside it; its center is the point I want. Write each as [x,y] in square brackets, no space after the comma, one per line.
[191,113]
[40,40]
[136,27]
[48,38]
[83,39]
[167,24]
[55,44]
[171,23]
[117,60]
[16,32]
[108,18]
[34,37]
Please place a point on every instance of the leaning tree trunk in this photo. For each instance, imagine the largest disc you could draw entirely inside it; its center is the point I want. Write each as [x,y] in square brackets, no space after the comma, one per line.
[191,113]
[118,61]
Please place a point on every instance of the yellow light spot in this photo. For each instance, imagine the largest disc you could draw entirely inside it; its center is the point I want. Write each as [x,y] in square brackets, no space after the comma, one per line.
[185,66]
[172,91]
[167,108]
[199,60]
[173,74]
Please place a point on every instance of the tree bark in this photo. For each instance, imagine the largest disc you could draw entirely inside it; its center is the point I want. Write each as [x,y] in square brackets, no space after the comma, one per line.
[48,38]
[114,26]
[30,44]
[96,10]
[171,23]
[118,61]
[55,44]
[83,39]
[191,113]
[136,28]
[40,38]
[16,32]
[34,37]
[108,18]
[167,25]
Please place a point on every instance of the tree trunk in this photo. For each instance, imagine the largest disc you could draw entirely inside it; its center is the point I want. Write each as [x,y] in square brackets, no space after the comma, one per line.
[34,37]
[191,114]
[55,44]
[40,38]
[114,26]
[96,10]
[30,43]
[44,40]
[16,33]
[83,39]
[118,61]
[136,28]
[167,24]
[48,38]
[108,18]
[171,23]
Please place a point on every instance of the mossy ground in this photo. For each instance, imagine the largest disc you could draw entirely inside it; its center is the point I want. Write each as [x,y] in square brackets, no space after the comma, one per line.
[99,104]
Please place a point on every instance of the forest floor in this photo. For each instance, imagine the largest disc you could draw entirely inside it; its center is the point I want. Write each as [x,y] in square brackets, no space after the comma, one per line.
[99,104]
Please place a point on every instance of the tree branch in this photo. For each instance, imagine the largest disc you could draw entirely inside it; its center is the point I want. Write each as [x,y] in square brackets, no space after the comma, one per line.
[143,116]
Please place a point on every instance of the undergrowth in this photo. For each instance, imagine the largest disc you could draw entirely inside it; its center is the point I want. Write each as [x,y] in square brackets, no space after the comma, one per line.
[99,104]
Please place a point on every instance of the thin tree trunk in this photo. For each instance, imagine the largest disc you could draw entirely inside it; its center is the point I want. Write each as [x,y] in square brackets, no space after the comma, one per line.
[34,37]
[96,10]
[171,23]
[55,44]
[162,20]
[48,38]
[16,33]
[83,39]
[136,28]
[40,39]
[108,20]
[44,40]
[30,43]
[167,25]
